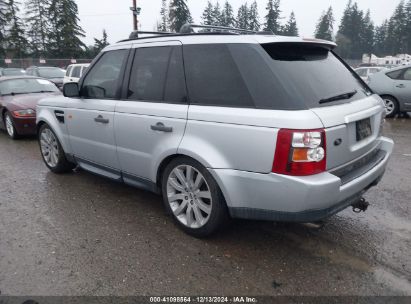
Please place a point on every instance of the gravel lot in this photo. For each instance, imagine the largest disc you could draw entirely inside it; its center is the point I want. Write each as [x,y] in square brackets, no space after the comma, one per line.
[79,234]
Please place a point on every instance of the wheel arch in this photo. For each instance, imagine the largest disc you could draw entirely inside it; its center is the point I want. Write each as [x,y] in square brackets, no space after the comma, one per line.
[46,118]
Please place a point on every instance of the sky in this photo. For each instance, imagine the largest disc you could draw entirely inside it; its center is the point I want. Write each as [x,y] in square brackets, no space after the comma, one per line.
[115,16]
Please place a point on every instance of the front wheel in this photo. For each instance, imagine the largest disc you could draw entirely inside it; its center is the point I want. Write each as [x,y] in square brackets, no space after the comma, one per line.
[52,151]
[10,128]
[193,197]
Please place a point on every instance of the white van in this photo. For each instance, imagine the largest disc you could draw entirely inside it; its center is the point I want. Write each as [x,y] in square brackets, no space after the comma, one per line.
[74,72]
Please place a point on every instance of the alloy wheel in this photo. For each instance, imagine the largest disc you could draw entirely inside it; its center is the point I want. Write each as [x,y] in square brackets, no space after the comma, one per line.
[389,106]
[9,125]
[49,147]
[189,196]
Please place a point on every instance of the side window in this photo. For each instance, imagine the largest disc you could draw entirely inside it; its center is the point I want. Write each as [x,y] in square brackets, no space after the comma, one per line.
[395,75]
[102,80]
[213,77]
[76,72]
[68,71]
[407,74]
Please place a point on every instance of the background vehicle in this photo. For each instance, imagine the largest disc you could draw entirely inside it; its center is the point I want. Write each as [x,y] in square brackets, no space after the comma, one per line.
[18,100]
[74,72]
[394,86]
[12,72]
[55,75]
[222,136]
[366,72]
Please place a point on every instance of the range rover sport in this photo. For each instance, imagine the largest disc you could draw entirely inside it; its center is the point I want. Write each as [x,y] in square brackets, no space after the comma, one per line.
[223,126]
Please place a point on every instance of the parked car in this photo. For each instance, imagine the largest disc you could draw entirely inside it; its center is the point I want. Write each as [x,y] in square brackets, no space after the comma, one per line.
[12,72]
[220,136]
[394,86]
[54,74]
[18,100]
[366,72]
[74,72]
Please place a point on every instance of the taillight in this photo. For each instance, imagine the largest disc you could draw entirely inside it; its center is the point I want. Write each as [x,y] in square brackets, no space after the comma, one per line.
[300,152]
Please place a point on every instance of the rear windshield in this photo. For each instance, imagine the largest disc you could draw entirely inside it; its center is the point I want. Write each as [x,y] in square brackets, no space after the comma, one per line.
[51,72]
[13,72]
[274,76]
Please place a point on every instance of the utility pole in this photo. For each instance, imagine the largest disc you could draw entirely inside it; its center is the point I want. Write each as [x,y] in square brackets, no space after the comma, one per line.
[135,13]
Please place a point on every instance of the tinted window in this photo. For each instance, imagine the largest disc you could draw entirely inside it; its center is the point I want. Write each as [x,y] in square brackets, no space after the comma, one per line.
[76,72]
[407,74]
[213,77]
[395,74]
[102,80]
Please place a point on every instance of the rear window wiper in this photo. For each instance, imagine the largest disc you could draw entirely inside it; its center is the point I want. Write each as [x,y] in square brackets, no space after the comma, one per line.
[347,95]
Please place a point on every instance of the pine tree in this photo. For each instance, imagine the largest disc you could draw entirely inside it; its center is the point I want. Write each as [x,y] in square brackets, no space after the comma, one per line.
[243,21]
[179,14]
[16,43]
[100,44]
[227,17]
[216,14]
[38,26]
[408,25]
[367,34]
[380,39]
[397,30]
[64,39]
[325,26]
[291,29]
[207,16]
[163,26]
[3,23]
[272,19]
[254,22]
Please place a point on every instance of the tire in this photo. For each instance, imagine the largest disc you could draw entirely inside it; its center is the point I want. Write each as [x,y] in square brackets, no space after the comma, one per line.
[391,106]
[52,152]
[197,206]
[9,125]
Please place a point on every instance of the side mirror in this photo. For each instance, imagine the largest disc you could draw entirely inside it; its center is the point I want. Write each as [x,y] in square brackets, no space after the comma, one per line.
[71,90]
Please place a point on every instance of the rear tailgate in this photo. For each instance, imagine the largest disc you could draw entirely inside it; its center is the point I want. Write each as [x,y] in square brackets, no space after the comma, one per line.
[346,125]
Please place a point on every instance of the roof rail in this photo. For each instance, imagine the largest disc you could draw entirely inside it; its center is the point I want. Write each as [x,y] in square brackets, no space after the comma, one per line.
[189,28]
[134,34]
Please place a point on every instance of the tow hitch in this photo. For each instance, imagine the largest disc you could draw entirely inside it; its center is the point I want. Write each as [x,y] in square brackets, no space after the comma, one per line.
[360,206]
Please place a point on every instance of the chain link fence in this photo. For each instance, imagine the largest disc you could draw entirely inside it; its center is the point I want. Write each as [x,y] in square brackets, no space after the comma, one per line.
[24,63]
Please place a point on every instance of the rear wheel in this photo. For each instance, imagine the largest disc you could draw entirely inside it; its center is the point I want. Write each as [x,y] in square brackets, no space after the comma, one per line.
[391,106]
[52,151]
[193,197]
[10,128]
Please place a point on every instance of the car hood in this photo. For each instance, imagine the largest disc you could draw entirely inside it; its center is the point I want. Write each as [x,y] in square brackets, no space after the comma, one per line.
[25,101]
[56,80]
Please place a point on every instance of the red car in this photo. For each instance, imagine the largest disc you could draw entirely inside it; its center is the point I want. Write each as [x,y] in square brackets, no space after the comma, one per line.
[18,100]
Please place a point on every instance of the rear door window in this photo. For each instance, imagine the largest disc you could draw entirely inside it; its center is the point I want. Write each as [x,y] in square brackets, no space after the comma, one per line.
[407,74]
[395,74]
[157,75]
[76,72]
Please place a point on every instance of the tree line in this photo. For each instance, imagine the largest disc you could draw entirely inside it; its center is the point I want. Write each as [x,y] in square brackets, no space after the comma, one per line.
[44,29]
[51,29]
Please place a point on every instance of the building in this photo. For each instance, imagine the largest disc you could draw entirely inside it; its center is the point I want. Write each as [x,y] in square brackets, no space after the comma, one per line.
[400,59]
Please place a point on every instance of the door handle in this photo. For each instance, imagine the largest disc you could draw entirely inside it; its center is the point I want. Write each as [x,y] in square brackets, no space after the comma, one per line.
[101,119]
[401,86]
[161,127]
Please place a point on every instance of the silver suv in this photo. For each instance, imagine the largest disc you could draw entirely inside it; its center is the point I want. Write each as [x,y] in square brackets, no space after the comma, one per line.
[223,126]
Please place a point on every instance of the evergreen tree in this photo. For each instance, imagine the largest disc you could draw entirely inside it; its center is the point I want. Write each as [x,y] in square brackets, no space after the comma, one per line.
[163,26]
[243,21]
[227,16]
[16,43]
[64,38]
[380,39]
[408,25]
[367,34]
[3,23]
[100,44]
[179,14]
[38,27]
[254,22]
[325,26]
[216,14]
[291,29]
[272,19]
[207,16]
[397,33]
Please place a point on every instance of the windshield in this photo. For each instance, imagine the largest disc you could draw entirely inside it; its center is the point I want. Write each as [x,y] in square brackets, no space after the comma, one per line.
[312,73]
[13,72]
[26,85]
[51,72]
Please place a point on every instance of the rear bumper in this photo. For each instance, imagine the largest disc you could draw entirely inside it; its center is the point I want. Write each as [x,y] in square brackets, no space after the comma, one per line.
[296,199]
